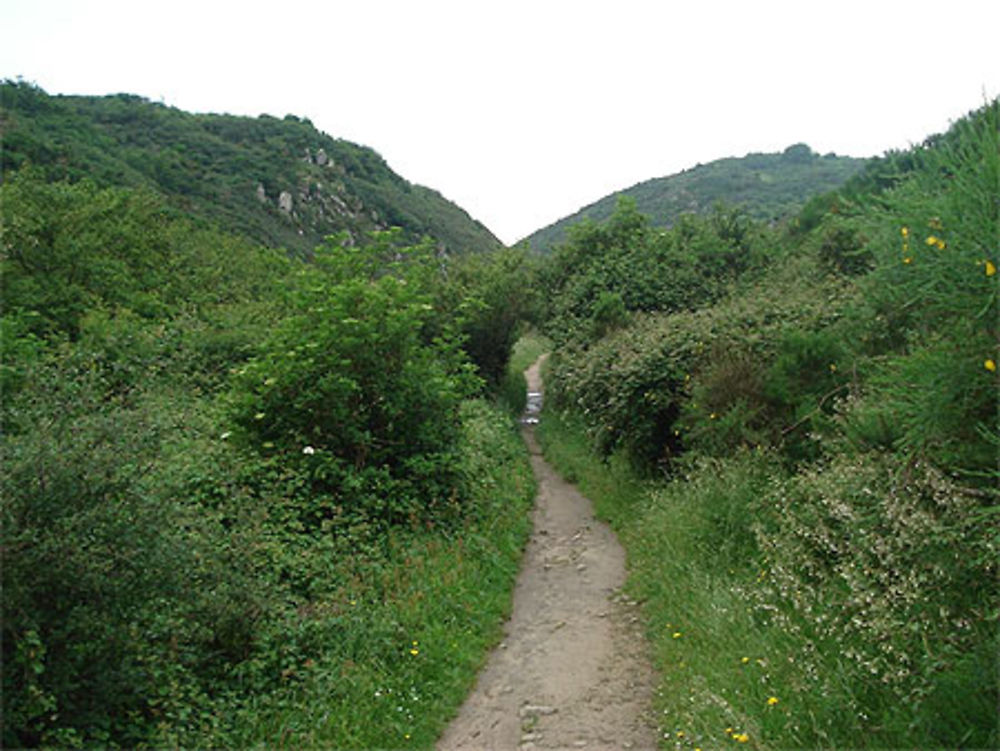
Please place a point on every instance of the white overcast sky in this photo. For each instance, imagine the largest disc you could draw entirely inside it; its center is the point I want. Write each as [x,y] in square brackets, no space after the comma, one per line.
[522,111]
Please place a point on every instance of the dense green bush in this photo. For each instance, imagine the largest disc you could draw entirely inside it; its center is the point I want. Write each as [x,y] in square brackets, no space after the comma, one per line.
[700,379]
[347,392]
[102,629]
[623,265]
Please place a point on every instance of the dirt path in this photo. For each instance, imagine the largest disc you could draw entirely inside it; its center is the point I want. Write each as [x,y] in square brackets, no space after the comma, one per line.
[573,671]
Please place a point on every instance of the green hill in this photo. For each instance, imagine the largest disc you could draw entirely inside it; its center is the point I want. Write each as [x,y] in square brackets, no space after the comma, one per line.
[279,182]
[768,186]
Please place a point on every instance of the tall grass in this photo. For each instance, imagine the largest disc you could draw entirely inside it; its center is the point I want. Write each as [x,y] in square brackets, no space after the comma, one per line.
[385,659]
[772,628]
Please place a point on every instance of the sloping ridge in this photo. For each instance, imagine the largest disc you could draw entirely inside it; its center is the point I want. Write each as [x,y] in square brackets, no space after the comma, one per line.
[767,186]
[279,182]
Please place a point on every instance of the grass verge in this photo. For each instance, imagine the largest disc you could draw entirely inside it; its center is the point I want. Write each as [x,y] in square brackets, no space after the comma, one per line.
[385,661]
[754,653]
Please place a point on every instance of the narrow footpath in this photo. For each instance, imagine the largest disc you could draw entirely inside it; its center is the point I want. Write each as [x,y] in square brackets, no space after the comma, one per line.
[573,671]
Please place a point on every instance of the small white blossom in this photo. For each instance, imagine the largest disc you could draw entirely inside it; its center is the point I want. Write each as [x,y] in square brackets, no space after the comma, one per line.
[309,450]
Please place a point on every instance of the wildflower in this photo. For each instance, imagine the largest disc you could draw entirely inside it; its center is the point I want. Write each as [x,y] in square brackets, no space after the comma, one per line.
[225,435]
[745,660]
[741,737]
[990,268]
[270,381]
[677,634]
[259,416]
[905,232]
[990,365]
[935,223]
[680,733]
[932,240]
[308,450]
[712,416]
[907,260]
[268,444]
[729,731]
[772,701]
[414,651]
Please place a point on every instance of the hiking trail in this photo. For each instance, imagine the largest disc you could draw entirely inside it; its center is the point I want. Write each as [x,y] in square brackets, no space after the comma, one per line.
[573,670]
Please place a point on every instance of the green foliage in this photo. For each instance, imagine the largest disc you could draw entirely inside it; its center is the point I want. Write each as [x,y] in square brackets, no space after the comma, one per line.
[490,296]
[698,378]
[767,187]
[348,393]
[820,570]
[102,628]
[69,249]
[211,166]
[606,271]
[933,240]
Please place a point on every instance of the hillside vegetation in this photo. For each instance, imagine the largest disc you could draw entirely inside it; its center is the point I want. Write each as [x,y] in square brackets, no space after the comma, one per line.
[278,182]
[249,497]
[795,431]
[768,187]
[260,486]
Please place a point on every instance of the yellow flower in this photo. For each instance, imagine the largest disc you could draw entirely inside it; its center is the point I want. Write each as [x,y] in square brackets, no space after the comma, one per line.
[940,244]
[677,634]
[745,660]
[680,733]
[741,737]
[414,651]
[990,268]
[905,232]
[772,701]
[833,367]
[932,240]
[990,365]
[907,260]
[712,416]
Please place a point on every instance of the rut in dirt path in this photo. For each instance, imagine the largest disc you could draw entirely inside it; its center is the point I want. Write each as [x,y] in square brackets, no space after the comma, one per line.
[573,671]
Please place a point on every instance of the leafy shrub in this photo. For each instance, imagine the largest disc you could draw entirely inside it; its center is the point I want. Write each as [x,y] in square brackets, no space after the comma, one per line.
[654,386]
[95,568]
[348,396]
[934,244]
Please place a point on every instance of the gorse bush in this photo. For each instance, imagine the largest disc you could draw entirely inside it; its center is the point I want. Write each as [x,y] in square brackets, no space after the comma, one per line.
[934,241]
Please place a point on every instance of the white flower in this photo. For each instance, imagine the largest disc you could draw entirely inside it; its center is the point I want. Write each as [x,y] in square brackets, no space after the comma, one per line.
[225,435]
[309,450]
